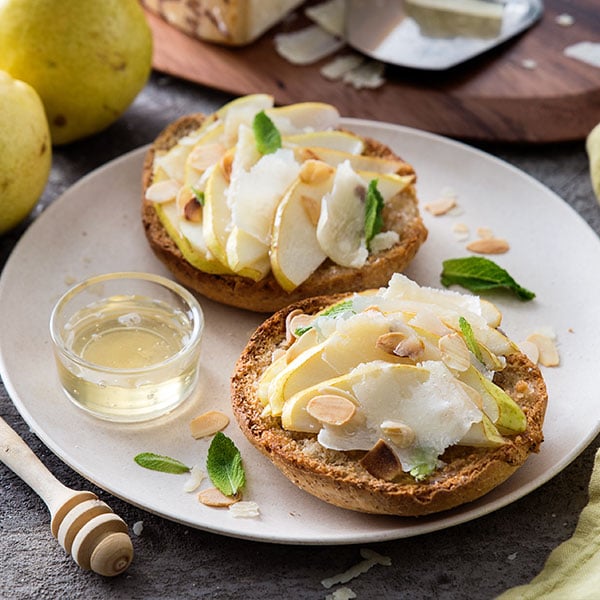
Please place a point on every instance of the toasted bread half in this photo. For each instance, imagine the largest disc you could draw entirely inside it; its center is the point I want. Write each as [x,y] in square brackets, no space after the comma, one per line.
[339,477]
[401,214]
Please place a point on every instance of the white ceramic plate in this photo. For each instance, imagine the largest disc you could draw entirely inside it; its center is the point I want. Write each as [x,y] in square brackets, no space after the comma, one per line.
[95,228]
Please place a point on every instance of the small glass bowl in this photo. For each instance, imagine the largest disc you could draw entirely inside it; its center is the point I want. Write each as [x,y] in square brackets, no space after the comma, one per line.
[127,345]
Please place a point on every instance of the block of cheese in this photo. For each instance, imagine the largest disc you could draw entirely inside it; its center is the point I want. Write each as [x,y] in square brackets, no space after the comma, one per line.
[229,22]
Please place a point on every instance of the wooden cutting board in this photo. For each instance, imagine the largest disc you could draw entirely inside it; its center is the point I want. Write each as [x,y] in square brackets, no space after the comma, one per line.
[491,98]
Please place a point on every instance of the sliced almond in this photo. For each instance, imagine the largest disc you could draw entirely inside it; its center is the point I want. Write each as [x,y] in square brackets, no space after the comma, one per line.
[381,462]
[331,409]
[548,353]
[226,165]
[208,424]
[400,433]
[204,156]
[454,351]
[441,206]
[485,233]
[312,208]
[315,171]
[488,246]
[192,211]
[402,345]
[294,321]
[214,497]
[163,191]
[461,231]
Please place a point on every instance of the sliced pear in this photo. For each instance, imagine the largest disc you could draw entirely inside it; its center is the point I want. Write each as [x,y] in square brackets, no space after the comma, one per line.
[216,215]
[189,239]
[255,194]
[246,256]
[303,117]
[295,250]
[354,342]
[482,435]
[502,410]
[241,111]
[267,376]
[332,139]
[358,162]
[388,184]
[307,340]
[341,226]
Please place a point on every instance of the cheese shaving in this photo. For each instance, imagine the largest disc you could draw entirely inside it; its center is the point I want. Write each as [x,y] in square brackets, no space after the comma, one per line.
[587,52]
[371,558]
[307,46]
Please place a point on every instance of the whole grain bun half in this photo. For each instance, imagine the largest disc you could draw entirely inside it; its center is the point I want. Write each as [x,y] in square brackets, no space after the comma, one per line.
[266,294]
[364,480]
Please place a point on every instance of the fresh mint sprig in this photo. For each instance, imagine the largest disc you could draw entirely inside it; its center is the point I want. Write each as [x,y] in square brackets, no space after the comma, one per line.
[224,465]
[373,206]
[156,462]
[469,337]
[479,274]
[268,138]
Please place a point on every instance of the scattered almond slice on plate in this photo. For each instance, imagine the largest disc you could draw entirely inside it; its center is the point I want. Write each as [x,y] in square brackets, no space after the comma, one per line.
[208,424]
[214,497]
[548,353]
[489,246]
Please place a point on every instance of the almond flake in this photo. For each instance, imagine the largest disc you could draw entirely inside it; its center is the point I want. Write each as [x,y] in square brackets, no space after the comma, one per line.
[208,424]
[548,353]
[489,246]
[485,233]
[399,433]
[214,497]
[441,206]
[331,409]
[461,231]
[163,191]
[192,211]
[315,171]
[204,156]
[454,351]
[530,350]
[381,461]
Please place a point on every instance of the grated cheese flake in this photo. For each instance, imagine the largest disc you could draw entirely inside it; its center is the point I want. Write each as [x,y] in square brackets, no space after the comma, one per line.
[371,558]
[245,509]
[367,75]
[306,46]
[587,52]
[343,593]
[340,65]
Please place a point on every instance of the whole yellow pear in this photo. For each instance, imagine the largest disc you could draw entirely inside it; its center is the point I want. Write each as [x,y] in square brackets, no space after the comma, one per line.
[25,150]
[87,59]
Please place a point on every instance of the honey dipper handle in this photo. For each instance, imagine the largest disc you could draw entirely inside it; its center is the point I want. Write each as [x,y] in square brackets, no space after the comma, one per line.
[18,457]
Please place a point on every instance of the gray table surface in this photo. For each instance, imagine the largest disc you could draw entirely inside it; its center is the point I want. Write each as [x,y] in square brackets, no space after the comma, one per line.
[479,559]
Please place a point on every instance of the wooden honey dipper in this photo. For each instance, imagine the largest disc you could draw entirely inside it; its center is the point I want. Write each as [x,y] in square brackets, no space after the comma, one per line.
[85,527]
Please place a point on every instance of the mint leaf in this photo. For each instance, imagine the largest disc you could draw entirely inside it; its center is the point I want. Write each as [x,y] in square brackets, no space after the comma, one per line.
[268,138]
[470,340]
[224,465]
[374,206]
[156,462]
[300,331]
[199,195]
[337,309]
[479,274]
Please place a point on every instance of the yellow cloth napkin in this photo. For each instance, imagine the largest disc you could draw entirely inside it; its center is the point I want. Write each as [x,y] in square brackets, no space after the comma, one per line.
[572,570]
[592,145]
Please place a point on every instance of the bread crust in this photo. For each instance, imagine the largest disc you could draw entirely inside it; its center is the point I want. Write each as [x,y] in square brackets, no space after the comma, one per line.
[266,296]
[338,477]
